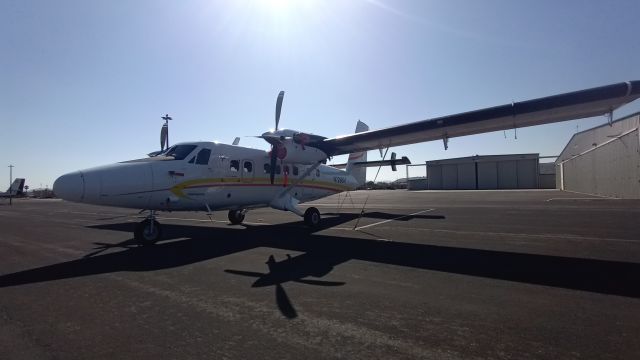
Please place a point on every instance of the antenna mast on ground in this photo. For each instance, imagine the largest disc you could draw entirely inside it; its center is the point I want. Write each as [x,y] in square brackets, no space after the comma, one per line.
[10,184]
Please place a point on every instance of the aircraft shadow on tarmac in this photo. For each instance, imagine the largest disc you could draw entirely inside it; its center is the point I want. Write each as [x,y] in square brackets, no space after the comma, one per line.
[188,244]
[294,269]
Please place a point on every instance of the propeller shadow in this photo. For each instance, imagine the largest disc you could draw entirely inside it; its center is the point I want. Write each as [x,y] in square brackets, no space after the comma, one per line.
[189,244]
[294,269]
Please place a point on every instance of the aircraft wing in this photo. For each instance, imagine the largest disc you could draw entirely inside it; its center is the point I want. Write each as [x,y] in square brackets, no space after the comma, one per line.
[556,108]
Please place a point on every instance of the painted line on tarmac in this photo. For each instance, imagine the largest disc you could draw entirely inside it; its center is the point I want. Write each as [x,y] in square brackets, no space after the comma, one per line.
[583,198]
[396,218]
[209,220]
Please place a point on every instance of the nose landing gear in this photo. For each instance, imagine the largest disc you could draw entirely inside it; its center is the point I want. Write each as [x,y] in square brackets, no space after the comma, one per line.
[148,231]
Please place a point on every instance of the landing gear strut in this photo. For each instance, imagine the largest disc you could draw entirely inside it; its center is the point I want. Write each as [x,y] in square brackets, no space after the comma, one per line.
[148,231]
[237,216]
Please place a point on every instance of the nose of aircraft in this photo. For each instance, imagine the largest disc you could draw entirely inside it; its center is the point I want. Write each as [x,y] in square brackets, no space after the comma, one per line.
[70,186]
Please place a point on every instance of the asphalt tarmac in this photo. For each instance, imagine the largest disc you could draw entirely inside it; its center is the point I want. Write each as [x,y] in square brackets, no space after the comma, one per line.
[432,275]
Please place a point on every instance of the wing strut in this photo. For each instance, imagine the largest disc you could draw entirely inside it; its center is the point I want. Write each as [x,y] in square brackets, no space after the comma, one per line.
[367,199]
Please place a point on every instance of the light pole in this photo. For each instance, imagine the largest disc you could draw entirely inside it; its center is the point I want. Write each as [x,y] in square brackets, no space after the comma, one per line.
[10,183]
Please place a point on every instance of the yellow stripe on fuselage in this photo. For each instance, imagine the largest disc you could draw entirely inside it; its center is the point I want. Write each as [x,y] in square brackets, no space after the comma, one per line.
[178,189]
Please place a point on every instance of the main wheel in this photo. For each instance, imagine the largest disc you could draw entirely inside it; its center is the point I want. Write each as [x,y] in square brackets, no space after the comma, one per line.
[312,217]
[147,232]
[236,216]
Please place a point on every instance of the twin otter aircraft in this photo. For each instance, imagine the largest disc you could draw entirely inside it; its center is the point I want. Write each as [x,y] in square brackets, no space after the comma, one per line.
[207,176]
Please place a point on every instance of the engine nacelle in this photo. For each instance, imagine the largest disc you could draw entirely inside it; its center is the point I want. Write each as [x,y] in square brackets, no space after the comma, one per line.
[291,152]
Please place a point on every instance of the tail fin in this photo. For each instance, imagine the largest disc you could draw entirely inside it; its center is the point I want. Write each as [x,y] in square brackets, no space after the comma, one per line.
[358,172]
[16,187]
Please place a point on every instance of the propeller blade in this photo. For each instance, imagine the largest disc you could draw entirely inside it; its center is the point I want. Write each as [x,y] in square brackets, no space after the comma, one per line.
[279,107]
[164,136]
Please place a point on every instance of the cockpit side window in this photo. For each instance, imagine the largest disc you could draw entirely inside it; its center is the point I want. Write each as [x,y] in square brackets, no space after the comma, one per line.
[179,152]
[203,157]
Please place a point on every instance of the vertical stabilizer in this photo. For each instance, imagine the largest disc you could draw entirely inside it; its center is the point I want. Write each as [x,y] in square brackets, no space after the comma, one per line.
[358,172]
[16,187]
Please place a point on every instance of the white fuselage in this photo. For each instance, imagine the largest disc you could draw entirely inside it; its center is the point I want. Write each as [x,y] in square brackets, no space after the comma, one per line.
[214,176]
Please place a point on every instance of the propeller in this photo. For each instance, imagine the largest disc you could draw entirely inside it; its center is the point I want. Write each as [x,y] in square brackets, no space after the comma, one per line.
[164,132]
[279,107]
[277,150]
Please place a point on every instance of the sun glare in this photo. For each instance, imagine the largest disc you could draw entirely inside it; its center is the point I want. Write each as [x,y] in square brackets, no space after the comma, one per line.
[277,4]
[285,7]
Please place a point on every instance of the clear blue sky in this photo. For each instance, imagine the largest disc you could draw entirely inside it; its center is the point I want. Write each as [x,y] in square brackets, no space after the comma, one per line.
[84,83]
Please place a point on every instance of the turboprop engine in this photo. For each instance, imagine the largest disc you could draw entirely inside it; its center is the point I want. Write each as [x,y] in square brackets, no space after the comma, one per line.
[291,146]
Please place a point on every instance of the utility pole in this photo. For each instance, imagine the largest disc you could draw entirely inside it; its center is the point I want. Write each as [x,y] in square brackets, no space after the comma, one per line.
[10,183]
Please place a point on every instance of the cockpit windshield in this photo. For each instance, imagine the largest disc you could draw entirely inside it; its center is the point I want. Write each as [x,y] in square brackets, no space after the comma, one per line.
[179,152]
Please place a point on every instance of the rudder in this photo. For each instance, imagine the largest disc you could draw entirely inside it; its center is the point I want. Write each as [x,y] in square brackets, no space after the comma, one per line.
[358,172]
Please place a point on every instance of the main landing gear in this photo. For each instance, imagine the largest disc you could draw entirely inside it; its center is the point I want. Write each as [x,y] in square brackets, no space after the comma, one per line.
[148,231]
[312,217]
[237,216]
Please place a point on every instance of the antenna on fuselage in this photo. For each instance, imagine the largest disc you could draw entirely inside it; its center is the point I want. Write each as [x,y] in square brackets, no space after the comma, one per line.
[164,132]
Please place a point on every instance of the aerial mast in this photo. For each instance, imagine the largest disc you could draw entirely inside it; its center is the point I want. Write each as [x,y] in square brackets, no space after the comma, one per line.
[10,184]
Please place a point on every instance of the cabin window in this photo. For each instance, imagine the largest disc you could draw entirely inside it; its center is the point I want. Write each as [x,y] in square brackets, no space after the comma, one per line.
[267,168]
[179,152]
[203,157]
[234,165]
[295,170]
[248,166]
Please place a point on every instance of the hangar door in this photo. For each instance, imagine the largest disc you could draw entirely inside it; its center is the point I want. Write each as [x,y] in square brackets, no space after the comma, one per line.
[484,174]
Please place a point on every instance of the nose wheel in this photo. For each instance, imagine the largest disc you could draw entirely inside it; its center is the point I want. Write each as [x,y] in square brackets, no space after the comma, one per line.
[148,231]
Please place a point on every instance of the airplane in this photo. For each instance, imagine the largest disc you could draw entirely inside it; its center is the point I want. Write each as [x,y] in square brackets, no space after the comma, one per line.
[15,190]
[211,176]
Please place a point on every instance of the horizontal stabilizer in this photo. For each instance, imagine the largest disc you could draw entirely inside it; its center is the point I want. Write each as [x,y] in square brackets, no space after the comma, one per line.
[393,162]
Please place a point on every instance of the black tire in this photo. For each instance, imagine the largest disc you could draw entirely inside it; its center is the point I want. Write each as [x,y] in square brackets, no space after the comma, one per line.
[312,217]
[144,235]
[236,216]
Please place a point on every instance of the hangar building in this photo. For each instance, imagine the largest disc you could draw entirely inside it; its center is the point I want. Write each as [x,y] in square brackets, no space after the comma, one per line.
[518,171]
[604,160]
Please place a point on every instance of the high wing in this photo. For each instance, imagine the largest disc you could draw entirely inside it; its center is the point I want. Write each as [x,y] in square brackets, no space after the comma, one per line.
[556,108]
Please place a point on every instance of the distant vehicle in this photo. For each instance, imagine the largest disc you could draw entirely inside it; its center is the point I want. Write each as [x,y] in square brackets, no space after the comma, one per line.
[15,190]
[199,176]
